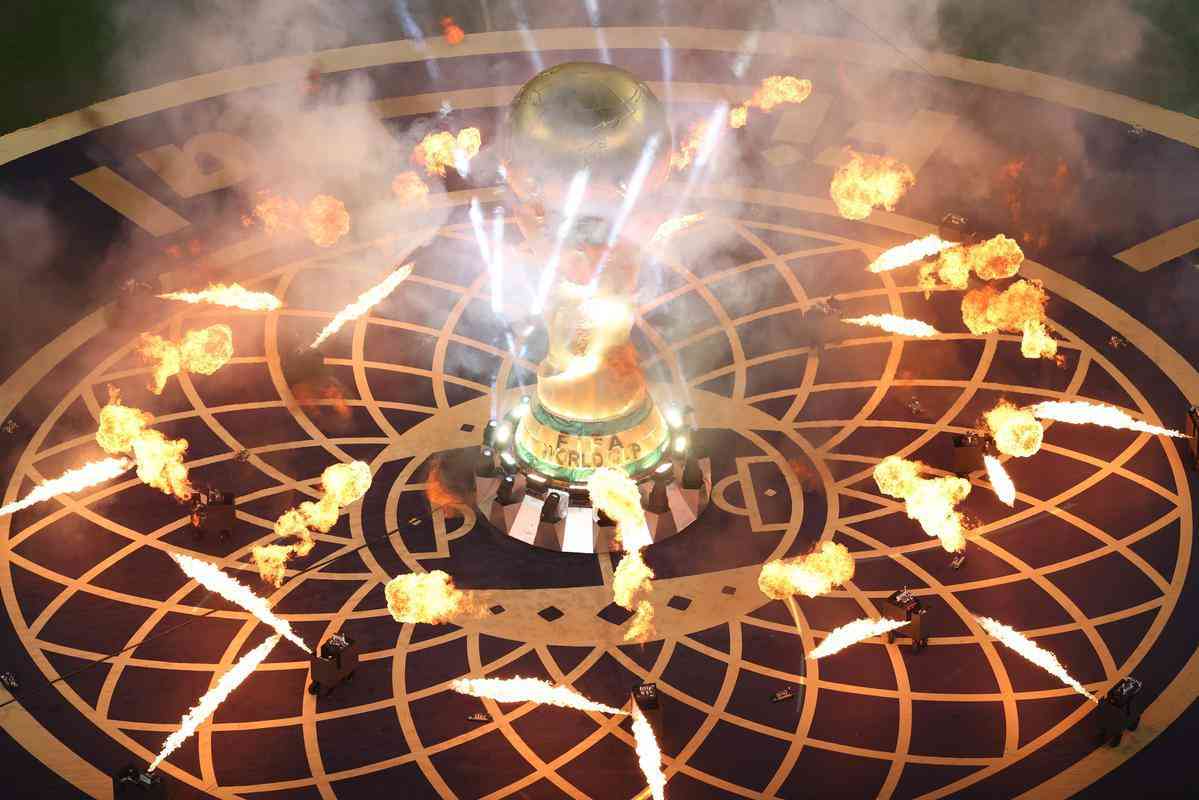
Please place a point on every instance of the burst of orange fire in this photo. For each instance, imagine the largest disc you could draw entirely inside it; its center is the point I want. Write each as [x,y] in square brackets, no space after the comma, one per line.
[428,597]
[326,220]
[672,226]
[271,560]
[631,583]
[809,479]
[453,34]
[208,704]
[775,90]
[410,189]
[442,149]
[950,269]
[997,258]
[203,351]
[895,324]
[1081,412]
[1018,308]
[278,214]
[212,578]
[1015,430]
[529,690]
[368,299]
[867,182]
[73,480]
[853,632]
[1033,652]
[933,506]
[440,494]
[811,575]
[617,495]
[649,754]
[342,484]
[681,158]
[1036,342]
[326,392]
[897,477]
[124,431]
[641,625]
[232,295]
[1001,482]
[929,501]
[911,252]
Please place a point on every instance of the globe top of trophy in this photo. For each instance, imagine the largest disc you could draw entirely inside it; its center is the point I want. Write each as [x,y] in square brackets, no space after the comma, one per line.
[582,117]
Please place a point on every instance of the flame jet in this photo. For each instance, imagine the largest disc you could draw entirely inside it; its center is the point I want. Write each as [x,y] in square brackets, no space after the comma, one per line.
[1001,482]
[214,697]
[904,254]
[649,754]
[529,690]
[852,633]
[673,225]
[212,578]
[73,480]
[232,295]
[617,495]
[367,300]
[1044,659]
[892,323]
[1081,412]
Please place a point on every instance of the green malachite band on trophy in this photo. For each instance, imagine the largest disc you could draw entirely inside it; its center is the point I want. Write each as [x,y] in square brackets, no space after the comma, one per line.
[604,427]
[580,474]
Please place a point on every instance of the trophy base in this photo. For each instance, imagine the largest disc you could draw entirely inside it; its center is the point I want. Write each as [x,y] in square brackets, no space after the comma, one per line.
[534,465]
[573,526]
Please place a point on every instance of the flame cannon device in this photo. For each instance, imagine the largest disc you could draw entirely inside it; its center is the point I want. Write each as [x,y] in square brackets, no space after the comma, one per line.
[212,511]
[645,697]
[333,664]
[1119,710]
[132,783]
[913,611]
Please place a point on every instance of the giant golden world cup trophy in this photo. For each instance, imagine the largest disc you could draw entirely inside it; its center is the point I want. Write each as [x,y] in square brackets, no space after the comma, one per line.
[585,148]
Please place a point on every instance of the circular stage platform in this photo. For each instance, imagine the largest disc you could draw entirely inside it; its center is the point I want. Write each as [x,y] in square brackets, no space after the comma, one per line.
[1093,561]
